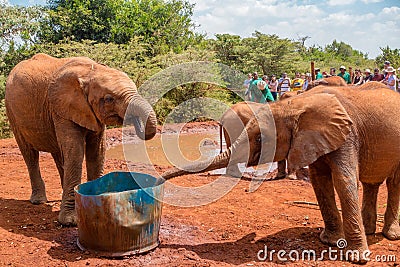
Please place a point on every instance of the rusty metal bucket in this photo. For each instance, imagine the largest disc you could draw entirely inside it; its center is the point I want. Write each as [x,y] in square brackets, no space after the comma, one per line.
[119,214]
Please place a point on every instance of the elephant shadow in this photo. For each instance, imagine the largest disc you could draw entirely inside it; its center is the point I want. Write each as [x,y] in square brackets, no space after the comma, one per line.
[249,249]
[40,221]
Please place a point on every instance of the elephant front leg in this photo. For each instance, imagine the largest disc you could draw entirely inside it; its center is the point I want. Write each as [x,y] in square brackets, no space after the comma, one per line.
[71,141]
[369,208]
[322,183]
[345,182]
[95,153]
[391,228]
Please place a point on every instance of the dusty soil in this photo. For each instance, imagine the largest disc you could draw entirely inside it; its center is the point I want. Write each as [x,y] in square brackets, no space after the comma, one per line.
[229,231]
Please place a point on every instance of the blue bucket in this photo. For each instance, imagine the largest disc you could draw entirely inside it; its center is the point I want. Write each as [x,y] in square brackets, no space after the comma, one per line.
[119,214]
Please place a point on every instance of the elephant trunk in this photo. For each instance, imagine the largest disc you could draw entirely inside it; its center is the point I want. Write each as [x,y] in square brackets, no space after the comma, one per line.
[139,112]
[220,161]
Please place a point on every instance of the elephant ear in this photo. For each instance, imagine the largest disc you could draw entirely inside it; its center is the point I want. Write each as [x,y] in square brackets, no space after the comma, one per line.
[320,126]
[68,97]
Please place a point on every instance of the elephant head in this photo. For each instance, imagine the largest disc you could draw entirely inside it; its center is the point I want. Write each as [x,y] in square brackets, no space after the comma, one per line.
[93,95]
[328,81]
[308,126]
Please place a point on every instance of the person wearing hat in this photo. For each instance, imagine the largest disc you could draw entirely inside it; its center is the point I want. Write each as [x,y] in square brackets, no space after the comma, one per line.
[318,74]
[344,74]
[390,79]
[386,65]
[266,95]
[368,76]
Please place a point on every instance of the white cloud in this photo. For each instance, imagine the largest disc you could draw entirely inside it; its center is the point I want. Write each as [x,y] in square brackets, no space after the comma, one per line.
[391,12]
[340,2]
[4,2]
[365,29]
[371,1]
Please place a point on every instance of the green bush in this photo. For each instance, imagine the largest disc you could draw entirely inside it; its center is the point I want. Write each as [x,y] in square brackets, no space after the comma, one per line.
[5,130]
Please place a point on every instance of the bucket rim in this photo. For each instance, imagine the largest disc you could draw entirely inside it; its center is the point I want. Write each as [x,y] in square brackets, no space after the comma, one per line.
[159,183]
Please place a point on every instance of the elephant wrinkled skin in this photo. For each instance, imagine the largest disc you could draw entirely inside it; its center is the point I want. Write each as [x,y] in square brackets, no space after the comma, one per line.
[61,106]
[345,135]
[328,81]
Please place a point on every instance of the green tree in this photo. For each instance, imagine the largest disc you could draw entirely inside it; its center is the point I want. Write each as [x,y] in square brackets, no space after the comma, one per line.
[163,25]
[269,54]
[392,55]
[20,24]
[226,47]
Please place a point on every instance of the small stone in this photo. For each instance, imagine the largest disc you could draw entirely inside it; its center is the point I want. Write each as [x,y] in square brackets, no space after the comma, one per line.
[191,257]
[211,230]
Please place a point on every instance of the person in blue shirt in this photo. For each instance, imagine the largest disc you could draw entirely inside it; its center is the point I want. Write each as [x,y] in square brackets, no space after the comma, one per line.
[318,74]
[254,92]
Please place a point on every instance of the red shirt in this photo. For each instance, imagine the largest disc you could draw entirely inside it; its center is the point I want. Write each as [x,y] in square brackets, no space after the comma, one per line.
[377,77]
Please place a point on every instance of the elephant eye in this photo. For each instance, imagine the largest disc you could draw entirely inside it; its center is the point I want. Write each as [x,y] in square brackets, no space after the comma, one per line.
[258,139]
[108,99]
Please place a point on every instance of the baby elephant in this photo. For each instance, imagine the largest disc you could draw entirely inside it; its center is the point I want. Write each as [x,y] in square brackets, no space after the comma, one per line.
[61,106]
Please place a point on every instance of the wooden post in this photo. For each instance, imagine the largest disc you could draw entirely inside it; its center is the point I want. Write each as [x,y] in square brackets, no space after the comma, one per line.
[312,70]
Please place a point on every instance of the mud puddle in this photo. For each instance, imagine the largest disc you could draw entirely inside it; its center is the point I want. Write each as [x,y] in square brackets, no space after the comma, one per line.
[179,150]
[168,149]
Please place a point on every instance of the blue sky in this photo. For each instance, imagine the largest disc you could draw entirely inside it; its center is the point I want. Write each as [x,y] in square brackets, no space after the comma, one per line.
[364,24]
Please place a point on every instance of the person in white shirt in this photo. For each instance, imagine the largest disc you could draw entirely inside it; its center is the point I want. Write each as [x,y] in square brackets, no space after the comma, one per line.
[246,84]
[284,84]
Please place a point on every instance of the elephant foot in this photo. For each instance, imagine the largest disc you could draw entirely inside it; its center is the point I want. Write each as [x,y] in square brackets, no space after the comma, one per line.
[280,175]
[357,254]
[67,218]
[38,198]
[331,238]
[392,232]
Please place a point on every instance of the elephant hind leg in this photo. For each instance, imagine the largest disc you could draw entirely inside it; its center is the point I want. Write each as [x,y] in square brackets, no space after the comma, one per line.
[321,180]
[369,208]
[31,158]
[391,228]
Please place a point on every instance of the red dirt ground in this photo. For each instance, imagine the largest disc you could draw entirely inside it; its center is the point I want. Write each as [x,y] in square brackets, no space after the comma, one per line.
[229,231]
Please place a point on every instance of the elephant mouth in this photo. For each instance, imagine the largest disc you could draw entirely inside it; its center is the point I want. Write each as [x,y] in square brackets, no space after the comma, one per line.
[114,120]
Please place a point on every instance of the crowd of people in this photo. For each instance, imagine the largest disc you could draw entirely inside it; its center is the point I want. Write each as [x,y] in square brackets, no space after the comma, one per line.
[268,89]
